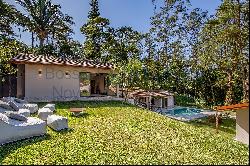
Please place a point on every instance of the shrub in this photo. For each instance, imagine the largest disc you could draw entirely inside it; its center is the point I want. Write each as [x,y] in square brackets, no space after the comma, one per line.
[184,100]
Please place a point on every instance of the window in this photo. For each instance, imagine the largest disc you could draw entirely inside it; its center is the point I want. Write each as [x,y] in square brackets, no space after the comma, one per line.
[67,75]
[39,72]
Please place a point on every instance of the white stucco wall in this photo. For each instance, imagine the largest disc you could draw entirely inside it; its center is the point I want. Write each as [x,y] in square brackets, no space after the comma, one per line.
[158,102]
[242,126]
[20,81]
[170,101]
[53,84]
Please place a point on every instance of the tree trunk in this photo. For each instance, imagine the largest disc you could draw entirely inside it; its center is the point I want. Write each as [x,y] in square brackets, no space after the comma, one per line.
[126,95]
[245,82]
[241,48]
[217,122]
[41,42]
[9,79]
[32,39]
[229,95]
[122,84]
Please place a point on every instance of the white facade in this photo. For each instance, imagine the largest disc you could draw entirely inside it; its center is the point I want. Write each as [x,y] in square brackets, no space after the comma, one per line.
[52,82]
[242,126]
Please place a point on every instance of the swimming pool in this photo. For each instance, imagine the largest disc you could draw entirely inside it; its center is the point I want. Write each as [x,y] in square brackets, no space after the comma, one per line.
[186,113]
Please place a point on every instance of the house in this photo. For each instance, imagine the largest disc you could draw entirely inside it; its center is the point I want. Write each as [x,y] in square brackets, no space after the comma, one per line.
[154,98]
[47,78]
[242,125]
[242,120]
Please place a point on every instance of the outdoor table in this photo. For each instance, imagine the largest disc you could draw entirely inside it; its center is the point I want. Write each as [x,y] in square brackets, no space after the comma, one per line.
[76,111]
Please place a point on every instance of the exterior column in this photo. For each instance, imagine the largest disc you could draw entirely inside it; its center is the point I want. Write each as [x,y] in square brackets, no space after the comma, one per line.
[149,102]
[170,101]
[160,105]
[117,90]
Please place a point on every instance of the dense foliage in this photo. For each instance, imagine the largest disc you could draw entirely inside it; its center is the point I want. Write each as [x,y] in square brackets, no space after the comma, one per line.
[185,51]
[193,54]
[117,133]
[97,33]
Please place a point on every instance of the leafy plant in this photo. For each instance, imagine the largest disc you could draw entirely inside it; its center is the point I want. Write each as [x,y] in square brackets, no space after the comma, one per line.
[118,133]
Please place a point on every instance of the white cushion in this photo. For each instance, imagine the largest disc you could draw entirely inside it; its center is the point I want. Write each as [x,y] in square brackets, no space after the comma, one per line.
[3,117]
[7,99]
[50,106]
[6,105]
[57,122]
[32,107]
[43,113]
[13,130]
[14,105]
[24,112]
[15,116]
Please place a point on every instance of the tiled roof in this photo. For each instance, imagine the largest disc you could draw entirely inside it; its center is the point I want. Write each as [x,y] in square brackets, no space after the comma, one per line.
[241,106]
[45,59]
[155,93]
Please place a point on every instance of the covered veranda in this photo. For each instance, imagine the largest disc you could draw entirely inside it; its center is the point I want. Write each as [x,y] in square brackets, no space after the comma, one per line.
[153,99]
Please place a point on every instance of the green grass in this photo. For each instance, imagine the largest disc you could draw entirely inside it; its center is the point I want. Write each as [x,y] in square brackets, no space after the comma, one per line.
[117,133]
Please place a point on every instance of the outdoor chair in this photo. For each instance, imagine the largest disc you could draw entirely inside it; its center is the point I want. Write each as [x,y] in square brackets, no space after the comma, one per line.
[50,106]
[17,104]
[57,122]
[6,108]
[13,130]
[43,113]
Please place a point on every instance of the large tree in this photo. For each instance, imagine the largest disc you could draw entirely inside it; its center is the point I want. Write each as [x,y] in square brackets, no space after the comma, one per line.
[124,50]
[9,16]
[224,45]
[168,32]
[46,19]
[97,33]
[125,45]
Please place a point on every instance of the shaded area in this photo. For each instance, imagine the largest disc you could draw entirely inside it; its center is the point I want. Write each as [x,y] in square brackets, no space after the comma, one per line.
[8,148]
[65,131]
[82,114]
[227,124]
[87,104]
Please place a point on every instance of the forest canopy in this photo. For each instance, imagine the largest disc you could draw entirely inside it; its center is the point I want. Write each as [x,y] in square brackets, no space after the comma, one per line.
[200,57]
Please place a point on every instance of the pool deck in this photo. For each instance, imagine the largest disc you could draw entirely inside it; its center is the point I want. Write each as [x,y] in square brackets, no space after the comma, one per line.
[187,118]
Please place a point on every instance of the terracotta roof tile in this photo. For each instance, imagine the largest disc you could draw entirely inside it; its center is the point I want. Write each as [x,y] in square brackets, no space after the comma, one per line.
[45,59]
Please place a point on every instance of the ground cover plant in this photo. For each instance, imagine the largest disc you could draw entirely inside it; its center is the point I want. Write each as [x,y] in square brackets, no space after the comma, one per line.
[118,133]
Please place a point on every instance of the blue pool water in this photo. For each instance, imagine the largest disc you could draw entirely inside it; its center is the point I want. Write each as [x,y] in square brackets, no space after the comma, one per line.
[186,113]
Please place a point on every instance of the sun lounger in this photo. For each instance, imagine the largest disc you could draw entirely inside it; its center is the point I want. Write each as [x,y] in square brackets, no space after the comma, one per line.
[17,104]
[13,130]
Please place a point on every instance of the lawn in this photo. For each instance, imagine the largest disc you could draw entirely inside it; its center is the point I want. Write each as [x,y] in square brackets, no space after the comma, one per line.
[118,133]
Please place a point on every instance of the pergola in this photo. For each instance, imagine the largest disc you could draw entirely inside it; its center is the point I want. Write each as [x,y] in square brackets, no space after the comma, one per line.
[240,106]
[242,119]
[149,94]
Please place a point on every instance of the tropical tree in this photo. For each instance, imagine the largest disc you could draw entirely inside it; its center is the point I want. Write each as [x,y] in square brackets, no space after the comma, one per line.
[46,20]
[9,48]
[128,76]
[194,23]
[170,38]
[124,49]
[97,33]
[71,49]
[126,44]
[224,44]
[8,17]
